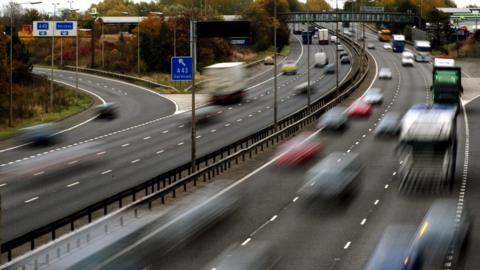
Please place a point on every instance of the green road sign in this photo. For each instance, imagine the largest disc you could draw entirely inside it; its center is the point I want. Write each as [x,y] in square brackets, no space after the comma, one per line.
[302,17]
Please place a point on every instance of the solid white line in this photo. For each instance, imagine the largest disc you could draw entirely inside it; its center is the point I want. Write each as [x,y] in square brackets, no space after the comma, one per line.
[31,200]
[246,241]
[73,184]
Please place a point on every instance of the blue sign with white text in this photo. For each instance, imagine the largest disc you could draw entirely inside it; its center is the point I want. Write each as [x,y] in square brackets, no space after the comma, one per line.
[182,68]
[42,26]
[64,26]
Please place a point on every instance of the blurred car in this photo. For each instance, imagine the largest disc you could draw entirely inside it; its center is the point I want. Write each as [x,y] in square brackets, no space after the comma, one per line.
[254,256]
[108,110]
[321,59]
[387,46]
[407,59]
[336,175]
[206,114]
[392,249]
[330,68]
[373,96]
[334,119]
[333,39]
[340,47]
[298,150]
[442,233]
[342,54]
[43,134]
[345,60]
[268,60]
[389,125]
[360,109]
[289,67]
[385,73]
[371,46]
[303,88]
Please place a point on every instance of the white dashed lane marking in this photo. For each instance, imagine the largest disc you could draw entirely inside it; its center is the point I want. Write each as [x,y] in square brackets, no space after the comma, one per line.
[73,184]
[31,200]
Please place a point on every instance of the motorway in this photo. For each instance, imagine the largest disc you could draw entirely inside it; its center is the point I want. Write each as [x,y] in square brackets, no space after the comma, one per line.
[124,151]
[327,236]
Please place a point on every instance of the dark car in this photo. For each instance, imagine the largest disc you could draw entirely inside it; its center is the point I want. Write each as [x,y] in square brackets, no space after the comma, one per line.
[43,134]
[329,69]
[303,88]
[108,110]
[334,119]
[335,176]
[342,54]
[345,60]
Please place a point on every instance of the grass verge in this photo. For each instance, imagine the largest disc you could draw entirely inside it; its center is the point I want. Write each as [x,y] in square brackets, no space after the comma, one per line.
[82,103]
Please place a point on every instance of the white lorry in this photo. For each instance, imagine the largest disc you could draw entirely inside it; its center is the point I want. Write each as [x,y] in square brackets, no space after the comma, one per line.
[225,82]
[323,36]
[422,51]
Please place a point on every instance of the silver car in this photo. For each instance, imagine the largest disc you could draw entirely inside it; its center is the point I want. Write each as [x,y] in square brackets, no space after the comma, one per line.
[389,125]
[385,74]
[373,96]
[334,119]
[336,176]
[370,46]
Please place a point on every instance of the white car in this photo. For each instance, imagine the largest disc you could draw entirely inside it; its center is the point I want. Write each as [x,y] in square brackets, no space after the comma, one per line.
[371,46]
[387,46]
[340,48]
[407,58]
[385,73]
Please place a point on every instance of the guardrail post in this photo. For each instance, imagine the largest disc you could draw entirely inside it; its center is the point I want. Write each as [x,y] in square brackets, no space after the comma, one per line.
[134,196]
[53,234]
[35,264]
[105,227]
[78,242]
[121,221]
[89,216]
[105,209]
[174,194]
[32,244]
[68,247]
[88,238]
[58,252]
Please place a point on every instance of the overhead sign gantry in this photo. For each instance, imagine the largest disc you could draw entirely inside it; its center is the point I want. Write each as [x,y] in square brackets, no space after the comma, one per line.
[344,16]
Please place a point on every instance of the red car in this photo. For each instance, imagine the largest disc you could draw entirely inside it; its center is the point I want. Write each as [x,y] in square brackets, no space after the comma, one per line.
[360,109]
[298,150]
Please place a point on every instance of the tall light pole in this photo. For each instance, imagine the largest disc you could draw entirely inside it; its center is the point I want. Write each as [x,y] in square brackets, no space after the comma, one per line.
[275,64]
[10,102]
[308,56]
[76,46]
[53,54]
[336,45]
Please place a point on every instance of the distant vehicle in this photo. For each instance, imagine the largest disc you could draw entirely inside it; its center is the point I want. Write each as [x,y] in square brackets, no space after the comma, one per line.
[387,46]
[297,29]
[373,96]
[298,150]
[384,35]
[385,74]
[333,39]
[347,32]
[392,249]
[422,51]
[398,43]
[302,88]
[345,60]
[307,37]
[323,36]
[428,148]
[335,176]
[447,81]
[43,134]
[268,60]
[255,256]
[329,69]
[289,67]
[321,59]
[407,59]
[340,47]
[226,82]
[108,110]
[389,125]
[342,54]
[371,46]
[360,109]
[334,119]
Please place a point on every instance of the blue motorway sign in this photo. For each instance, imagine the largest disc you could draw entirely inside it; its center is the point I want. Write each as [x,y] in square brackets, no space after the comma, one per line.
[181,68]
[42,25]
[64,26]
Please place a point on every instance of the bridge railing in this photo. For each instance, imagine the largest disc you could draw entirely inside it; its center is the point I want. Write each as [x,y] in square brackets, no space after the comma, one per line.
[207,167]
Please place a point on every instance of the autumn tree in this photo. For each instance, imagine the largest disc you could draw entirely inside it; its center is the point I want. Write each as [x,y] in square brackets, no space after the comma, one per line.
[317,5]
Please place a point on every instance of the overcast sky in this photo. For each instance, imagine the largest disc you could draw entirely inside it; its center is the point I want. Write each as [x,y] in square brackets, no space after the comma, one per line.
[85,4]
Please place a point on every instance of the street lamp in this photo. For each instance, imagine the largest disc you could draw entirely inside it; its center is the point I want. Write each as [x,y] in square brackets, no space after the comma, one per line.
[53,54]
[275,65]
[10,105]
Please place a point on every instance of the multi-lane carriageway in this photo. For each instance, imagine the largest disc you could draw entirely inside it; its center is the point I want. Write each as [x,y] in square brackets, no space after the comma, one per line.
[330,236]
[333,237]
[138,141]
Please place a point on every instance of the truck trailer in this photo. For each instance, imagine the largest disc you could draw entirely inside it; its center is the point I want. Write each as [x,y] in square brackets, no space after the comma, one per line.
[398,43]
[323,38]
[225,82]
[428,148]
[446,81]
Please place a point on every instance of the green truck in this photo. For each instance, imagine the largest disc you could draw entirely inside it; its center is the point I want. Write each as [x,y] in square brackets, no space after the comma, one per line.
[447,81]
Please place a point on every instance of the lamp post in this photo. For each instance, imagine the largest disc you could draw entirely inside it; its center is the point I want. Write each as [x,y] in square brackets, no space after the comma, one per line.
[309,25]
[275,65]
[10,102]
[336,45]
[53,54]
[76,48]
